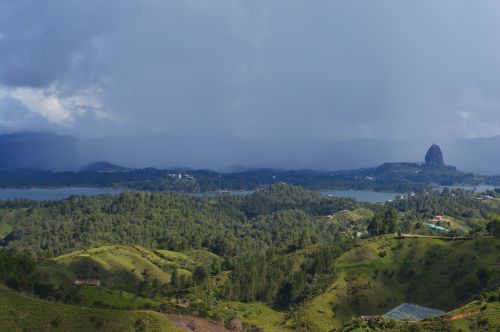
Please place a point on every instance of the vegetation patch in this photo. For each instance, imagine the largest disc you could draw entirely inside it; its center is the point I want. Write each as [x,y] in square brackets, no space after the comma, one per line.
[429,272]
[19,312]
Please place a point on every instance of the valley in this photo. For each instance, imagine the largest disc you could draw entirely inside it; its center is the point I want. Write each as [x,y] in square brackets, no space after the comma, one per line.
[279,259]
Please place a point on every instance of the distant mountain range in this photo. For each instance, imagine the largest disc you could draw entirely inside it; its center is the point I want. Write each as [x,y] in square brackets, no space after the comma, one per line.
[54,152]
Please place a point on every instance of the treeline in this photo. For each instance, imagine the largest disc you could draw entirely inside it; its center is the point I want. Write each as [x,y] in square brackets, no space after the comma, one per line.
[18,271]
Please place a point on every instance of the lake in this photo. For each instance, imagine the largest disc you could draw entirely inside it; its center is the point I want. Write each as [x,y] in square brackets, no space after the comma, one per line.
[40,194]
[362,195]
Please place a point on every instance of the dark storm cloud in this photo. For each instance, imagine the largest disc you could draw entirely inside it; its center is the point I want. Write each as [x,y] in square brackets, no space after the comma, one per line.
[41,41]
[259,70]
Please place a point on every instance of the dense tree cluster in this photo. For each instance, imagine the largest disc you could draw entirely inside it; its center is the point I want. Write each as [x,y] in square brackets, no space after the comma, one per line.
[18,271]
[280,217]
[494,225]
[457,202]
[383,222]
[277,278]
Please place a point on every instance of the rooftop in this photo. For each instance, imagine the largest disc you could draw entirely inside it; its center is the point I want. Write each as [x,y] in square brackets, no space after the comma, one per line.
[413,312]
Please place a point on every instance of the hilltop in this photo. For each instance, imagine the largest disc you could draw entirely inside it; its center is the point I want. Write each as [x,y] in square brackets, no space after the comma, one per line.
[126,267]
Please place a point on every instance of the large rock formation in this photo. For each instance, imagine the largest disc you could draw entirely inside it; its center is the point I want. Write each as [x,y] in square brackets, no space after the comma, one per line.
[434,156]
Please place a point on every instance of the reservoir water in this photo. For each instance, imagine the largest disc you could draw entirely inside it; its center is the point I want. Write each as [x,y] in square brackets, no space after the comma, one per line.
[40,194]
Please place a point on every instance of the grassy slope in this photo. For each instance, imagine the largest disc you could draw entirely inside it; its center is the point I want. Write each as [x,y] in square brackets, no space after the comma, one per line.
[116,266]
[5,229]
[7,218]
[489,313]
[255,313]
[23,313]
[117,299]
[358,214]
[429,272]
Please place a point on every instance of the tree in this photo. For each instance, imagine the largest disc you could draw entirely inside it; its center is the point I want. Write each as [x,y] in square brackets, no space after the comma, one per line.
[483,274]
[200,273]
[376,225]
[493,226]
[391,220]
[383,222]
[175,280]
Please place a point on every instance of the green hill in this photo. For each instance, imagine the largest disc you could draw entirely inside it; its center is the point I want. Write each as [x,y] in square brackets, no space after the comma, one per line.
[5,229]
[381,273]
[122,267]
[19,312]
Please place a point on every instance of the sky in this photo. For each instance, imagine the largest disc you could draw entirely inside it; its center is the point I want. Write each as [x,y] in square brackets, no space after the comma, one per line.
[259,71]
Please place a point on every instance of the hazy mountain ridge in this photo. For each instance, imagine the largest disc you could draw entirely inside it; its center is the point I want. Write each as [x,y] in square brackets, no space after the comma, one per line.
[48,151]
[104,166]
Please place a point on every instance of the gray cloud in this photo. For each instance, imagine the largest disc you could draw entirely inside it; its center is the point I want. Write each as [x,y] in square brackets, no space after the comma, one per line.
[16,117]
[259,70]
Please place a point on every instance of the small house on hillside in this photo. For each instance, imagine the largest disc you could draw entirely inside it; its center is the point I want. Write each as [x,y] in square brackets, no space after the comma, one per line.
[371,318]
[88,282]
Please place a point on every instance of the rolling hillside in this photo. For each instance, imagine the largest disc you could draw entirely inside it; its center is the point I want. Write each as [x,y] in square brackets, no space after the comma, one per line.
[123,267]
[381,273]
[370,279]
[19,312]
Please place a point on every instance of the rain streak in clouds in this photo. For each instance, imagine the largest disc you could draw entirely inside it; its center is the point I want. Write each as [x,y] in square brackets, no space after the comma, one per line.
[261,71]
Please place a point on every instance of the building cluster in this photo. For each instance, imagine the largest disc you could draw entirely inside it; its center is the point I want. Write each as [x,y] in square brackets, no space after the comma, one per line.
[180,176]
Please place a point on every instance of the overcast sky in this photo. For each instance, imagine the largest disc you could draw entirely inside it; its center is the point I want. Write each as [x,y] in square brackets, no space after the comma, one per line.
[273,70]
